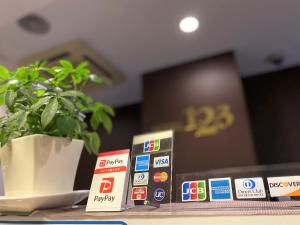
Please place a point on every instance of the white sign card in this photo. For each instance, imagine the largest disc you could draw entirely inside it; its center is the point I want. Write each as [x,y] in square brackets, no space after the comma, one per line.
[110,182]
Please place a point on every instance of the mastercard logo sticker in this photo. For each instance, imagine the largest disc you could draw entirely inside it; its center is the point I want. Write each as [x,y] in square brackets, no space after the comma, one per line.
[160,177]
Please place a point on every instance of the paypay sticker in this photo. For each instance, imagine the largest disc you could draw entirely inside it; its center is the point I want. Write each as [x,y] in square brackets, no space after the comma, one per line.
[110,182]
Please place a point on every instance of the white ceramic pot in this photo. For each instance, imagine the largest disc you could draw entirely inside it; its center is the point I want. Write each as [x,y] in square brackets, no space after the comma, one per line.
[39,165]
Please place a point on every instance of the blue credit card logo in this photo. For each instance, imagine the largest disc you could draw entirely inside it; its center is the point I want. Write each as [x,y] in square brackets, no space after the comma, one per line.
[142,162]
[159,194]
[220,189]
[186,191]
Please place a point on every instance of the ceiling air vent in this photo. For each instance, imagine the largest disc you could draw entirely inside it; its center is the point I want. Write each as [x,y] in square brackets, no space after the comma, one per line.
[77,52]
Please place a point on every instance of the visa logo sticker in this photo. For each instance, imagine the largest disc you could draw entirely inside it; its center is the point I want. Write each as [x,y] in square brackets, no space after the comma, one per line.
[142,162]
[220,189]
[161,161]
[193,191]
[250,188]
[152,145]
[284,186]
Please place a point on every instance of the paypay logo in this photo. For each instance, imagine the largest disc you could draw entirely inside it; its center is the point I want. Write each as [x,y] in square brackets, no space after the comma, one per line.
[151,145]
[161,161]
[193,191]
[108,162]
[106,185]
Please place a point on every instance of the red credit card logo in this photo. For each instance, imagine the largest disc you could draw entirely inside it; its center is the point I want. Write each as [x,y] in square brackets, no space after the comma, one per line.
[160,177]
[106,185]
[139,193]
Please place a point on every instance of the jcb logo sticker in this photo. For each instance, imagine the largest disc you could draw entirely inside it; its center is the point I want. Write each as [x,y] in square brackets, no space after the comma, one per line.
[152,145]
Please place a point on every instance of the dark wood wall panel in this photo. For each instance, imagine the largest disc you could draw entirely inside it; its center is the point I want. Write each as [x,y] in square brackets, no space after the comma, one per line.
[274,104]
[208,83]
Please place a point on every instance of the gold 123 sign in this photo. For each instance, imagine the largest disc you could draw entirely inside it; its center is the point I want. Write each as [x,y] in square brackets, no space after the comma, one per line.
[202,121]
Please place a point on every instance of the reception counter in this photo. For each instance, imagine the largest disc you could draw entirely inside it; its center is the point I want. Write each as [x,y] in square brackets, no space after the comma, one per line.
[245,213]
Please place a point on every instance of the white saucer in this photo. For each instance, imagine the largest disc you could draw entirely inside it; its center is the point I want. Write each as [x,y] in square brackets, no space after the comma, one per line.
[29,204]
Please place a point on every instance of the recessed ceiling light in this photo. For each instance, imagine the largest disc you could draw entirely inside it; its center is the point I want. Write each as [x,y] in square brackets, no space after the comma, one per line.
[189,24]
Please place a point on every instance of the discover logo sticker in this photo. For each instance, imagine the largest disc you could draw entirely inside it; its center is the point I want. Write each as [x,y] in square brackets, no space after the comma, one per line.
[284,186]
[250,188]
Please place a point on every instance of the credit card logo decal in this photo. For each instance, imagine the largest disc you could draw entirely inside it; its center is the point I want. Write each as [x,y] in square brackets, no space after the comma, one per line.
[160,177]
[151,145]
[220,189]
[159,194]
[247,188]
[161,161]
[194,191]
[139,193]
[142,163]
[141,179]
[284,186]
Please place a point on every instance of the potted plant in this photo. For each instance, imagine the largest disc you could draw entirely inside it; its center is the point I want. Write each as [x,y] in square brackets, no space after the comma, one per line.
[44,129]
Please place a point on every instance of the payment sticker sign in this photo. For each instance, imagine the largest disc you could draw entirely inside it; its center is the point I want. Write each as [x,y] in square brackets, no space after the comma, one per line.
[110,182]
[141,179]
[284,186]
[250,188]
[151,170]
[139,193]
[160,177]
[142,162]
[193,191]
[151,145]
[162,161]
[220,189]
[159,194]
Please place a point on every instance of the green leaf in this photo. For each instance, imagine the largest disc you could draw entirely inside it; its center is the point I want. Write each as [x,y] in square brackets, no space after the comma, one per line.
[4,72]
[67,104]
[82,65]
[107,123]
[67,125]
[40,93]
[21,120]
[49,112]
[96,79]
[66,64]
[9,98]
[109,110]
[73,93]
[41,101]
[2,99]
[4,87]
[92,142]
[95,120]
[15,116]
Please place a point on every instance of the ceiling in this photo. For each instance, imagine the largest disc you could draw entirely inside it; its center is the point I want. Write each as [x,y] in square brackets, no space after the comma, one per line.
[136,36]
